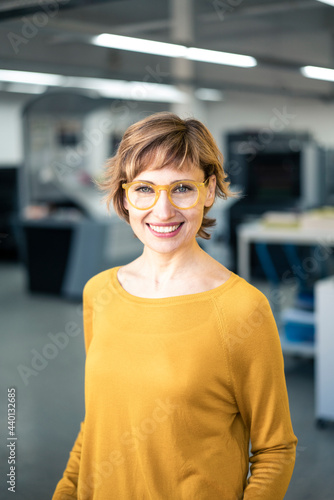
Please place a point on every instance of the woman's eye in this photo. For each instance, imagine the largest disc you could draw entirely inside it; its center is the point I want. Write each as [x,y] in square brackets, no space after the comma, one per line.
[183,188]
[144,189]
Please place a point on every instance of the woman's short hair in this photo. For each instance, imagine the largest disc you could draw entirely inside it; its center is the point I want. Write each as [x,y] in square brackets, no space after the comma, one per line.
[160,140]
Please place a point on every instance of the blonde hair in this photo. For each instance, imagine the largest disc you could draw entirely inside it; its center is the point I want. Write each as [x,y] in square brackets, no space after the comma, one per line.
[160,140]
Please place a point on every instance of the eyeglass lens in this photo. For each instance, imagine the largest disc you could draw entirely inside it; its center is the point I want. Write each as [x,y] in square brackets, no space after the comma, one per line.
[182,194]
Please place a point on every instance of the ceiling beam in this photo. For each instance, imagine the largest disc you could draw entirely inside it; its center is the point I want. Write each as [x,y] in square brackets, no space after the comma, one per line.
[221,8]
[10,9]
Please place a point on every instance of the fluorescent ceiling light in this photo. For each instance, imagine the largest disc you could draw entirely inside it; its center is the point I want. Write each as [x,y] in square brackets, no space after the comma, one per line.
[216,57]
[150,92]
[209,95]
[21,88]
[172,50]
[29,82]
[329,2]
[121,89]
[139,45]
[318,73]
[31,78]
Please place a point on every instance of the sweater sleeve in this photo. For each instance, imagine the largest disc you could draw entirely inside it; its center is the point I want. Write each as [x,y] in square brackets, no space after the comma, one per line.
[258,378]
[66,488]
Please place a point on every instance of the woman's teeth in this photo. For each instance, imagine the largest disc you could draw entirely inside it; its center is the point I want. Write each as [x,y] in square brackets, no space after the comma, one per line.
[164,229]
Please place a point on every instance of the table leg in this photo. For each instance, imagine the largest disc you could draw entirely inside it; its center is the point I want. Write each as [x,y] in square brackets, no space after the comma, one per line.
[244,257]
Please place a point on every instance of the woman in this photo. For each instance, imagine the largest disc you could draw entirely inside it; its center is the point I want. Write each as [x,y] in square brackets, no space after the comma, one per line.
[184,366]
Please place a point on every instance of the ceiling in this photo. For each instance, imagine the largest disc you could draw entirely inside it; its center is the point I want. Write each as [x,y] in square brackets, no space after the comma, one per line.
[55,36]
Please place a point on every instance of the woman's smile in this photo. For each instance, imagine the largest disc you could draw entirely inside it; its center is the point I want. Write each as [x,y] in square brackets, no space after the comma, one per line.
[165,230]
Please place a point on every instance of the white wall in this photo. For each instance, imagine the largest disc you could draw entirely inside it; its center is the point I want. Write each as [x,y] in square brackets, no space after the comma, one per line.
[11,138]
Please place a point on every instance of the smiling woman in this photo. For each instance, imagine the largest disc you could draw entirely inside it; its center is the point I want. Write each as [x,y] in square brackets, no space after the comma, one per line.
[184,367]
[172,210]
[164,140]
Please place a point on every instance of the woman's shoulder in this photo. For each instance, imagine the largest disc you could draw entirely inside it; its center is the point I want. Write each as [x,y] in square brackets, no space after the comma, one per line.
[240,297]
[246,318]
[99,281]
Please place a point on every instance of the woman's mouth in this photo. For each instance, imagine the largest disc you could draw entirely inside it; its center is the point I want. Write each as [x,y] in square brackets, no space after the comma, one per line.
[167,230]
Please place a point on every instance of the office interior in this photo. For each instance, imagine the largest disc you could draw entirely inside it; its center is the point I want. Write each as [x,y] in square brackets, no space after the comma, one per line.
[69,88]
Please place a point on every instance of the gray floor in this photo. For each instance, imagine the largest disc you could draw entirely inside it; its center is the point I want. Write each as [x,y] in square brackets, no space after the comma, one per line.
[50,402]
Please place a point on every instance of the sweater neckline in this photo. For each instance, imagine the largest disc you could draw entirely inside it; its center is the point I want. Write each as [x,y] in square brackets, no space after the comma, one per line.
[190,297]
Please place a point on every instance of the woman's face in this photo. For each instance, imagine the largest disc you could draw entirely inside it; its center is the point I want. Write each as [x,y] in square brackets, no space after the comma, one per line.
[164,228]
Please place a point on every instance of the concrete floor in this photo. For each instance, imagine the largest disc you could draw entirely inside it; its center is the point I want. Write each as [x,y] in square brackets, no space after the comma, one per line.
[50,398]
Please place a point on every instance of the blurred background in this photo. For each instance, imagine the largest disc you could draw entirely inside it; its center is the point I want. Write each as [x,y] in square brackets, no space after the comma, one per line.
[74,74]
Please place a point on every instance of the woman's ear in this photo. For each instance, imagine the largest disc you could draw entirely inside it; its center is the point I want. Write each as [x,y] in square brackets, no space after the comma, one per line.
[125,202]
[211,191]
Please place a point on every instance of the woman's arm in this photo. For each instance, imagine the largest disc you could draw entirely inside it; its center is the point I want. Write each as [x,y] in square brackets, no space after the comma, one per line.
[259,383]
[66,488]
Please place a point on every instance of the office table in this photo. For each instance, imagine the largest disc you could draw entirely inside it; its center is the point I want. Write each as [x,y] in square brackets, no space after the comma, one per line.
[255,232]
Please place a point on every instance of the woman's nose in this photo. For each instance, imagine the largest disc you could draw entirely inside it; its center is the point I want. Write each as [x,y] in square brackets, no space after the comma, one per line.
[163,207]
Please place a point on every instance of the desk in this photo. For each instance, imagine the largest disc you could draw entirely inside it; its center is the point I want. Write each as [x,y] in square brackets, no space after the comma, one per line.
[255,232]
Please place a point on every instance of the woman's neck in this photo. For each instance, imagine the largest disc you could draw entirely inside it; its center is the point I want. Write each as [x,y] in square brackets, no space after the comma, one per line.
[162,275]
[160,268]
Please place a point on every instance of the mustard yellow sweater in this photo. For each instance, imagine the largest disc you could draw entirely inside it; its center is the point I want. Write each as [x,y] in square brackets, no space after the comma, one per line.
[175,390]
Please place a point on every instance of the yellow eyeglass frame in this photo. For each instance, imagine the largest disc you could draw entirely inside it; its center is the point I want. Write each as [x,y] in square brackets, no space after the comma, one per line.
[167,187]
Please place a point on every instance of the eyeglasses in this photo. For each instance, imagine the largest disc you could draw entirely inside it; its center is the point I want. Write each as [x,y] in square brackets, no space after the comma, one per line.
[182,194]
